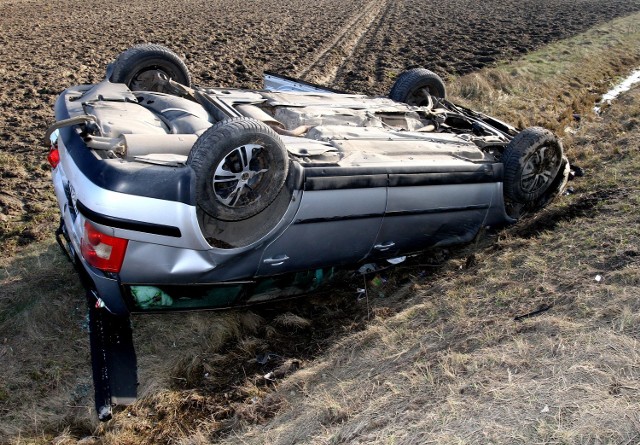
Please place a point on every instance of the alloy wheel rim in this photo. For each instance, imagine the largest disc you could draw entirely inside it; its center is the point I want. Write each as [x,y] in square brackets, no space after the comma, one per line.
[538,169]
[238,179]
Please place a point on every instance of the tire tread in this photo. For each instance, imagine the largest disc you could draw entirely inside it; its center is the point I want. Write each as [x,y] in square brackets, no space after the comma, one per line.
[407,81]
[143,50]
[529,137]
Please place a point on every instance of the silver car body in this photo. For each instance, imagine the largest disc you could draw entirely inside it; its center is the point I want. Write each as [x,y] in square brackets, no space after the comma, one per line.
[367,184]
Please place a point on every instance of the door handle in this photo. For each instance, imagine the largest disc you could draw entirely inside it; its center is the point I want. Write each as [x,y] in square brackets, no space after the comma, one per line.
[276,261]
[384,246]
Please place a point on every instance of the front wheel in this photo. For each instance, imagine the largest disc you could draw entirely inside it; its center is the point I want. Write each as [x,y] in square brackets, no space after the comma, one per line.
[532,161]
[240,166]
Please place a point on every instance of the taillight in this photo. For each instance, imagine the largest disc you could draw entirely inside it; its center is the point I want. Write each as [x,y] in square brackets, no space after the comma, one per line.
[54,156]
[102,251]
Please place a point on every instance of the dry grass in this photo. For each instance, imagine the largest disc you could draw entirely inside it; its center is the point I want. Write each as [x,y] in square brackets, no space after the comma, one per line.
[551,86]
[455,367]
[45,380]
[433,356]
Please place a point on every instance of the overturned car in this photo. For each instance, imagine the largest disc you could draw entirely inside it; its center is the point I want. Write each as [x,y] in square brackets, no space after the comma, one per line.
[175,197]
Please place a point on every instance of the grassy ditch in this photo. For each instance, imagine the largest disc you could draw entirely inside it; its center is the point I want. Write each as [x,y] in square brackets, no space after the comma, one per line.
[557,86]
[534,341]
[433,355]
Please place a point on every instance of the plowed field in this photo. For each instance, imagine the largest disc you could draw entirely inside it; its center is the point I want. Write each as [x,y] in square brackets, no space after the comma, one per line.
[359,46]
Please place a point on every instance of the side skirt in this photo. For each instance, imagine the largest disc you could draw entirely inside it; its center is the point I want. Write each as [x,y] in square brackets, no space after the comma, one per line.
[113,359]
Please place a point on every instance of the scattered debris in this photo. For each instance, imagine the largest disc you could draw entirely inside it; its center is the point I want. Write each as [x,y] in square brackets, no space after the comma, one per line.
[263,359]
[367,268]
[288,367]
[575,172]
[377,281]
[397,260]
[542,308]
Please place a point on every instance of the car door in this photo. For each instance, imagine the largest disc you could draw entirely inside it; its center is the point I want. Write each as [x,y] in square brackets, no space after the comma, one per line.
[336,224]
[434,209]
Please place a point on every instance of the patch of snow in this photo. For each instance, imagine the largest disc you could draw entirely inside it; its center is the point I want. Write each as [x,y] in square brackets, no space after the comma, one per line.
[623,86]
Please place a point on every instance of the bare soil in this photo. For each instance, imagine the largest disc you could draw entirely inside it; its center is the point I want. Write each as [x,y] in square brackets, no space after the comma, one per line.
[356,46]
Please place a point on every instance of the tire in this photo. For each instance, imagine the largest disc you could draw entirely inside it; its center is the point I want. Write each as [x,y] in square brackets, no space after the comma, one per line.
[532,161]
[412,85]
[230,186]
[138,67]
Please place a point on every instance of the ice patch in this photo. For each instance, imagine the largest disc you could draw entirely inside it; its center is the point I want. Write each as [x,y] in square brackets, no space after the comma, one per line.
[623,86]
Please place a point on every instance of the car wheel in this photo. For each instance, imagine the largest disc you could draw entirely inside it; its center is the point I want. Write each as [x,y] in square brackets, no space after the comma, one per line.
[414,87]
[531,162]
[240,166]
[142,66]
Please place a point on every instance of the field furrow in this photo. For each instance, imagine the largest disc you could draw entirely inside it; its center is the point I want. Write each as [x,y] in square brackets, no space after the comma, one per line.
[326,63]
[370,51]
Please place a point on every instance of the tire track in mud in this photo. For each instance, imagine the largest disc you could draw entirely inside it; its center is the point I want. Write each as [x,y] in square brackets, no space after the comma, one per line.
[369,52]
[325,65]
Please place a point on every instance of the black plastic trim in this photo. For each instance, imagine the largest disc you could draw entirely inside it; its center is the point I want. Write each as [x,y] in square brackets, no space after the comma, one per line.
[439,210]
[419,179]
[345,182]
[392,214]
[332,178]
[127,224]
[338,218]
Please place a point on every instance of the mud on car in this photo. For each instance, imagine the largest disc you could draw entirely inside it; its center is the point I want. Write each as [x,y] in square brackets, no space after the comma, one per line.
[175,197]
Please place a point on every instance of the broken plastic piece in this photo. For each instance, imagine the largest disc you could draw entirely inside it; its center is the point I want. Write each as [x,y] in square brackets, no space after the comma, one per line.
[397,260]
[104,413]
[542,308]
[367,268]
[263,359]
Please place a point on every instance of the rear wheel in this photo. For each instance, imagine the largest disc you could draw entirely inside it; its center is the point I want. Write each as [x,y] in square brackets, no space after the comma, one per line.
[415,86]
[240,165]
[142,68]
